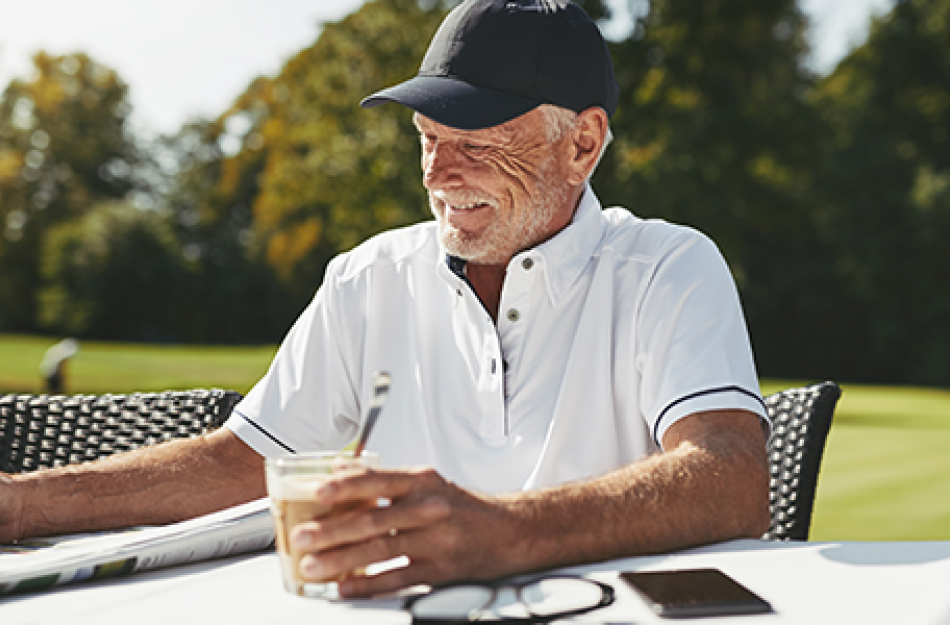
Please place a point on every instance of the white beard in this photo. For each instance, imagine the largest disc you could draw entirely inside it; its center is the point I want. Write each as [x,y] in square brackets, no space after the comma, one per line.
[505,236]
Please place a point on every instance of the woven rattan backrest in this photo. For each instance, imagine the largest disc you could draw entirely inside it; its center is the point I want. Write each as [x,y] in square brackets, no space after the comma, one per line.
[38,431]
[801,418]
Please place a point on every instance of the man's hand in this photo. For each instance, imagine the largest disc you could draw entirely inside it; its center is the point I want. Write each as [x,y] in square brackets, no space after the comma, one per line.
[11,509]
[447,533]
[711,484]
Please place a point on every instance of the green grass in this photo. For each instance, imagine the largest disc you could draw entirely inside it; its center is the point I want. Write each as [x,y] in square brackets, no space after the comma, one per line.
[882,483]
[886,469]
[102,367]
[885,476]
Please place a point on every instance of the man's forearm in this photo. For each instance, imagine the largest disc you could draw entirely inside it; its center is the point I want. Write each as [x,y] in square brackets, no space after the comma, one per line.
[702,490]
[711,484]
[160,484]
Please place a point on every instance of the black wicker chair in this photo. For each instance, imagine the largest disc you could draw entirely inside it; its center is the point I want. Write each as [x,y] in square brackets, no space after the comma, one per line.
[39,431]
[801,418]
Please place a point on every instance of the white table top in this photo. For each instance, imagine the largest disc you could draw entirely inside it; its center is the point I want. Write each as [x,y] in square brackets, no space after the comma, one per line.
[809,583]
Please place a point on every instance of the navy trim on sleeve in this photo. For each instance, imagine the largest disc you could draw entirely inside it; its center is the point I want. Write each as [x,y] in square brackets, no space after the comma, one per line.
[711,391]
[265,432]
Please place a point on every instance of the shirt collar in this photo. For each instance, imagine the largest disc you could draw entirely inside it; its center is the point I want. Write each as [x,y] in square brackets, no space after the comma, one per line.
[565,255]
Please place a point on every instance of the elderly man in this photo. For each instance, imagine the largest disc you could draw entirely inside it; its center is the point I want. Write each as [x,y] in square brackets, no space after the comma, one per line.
[575,384]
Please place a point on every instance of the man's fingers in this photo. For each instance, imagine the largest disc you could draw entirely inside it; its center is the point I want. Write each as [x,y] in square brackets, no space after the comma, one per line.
[420,536]
[348,558]
[375,483]
[344,560]
[429,520]
[365,524]
[418,572]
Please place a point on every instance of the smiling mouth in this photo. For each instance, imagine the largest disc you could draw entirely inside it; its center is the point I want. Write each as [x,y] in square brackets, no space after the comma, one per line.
[468,207]
[462,201]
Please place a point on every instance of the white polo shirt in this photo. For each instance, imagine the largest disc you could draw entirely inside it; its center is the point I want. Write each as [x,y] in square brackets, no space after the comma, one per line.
[607,334]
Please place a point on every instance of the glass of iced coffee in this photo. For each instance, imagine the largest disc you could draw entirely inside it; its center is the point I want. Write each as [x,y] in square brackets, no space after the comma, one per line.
[291,482]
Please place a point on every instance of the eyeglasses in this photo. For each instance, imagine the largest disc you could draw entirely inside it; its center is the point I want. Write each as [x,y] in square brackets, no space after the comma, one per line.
[535,601]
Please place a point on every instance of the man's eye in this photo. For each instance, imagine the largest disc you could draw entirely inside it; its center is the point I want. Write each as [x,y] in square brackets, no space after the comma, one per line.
[475,148]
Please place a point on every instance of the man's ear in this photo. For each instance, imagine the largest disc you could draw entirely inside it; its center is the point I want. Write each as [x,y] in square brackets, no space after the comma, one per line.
[588,137]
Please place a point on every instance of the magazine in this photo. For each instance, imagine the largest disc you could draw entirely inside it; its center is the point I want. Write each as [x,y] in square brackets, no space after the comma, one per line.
[35,564]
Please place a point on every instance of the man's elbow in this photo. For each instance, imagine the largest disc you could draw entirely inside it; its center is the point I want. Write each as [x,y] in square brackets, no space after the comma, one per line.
[760,518]
[731,448]
[751,476]
[753,517]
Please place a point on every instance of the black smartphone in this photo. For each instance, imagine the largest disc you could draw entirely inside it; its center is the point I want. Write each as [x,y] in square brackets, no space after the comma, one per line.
[694,592]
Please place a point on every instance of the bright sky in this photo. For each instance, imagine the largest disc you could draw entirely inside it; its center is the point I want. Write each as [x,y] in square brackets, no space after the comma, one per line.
[187,58]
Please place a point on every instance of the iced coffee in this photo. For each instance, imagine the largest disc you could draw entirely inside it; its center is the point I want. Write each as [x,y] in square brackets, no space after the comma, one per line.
[291,482]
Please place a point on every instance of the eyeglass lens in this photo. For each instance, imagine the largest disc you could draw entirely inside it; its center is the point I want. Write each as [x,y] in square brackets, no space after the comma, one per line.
[548,597]
[455,603]
[542,598]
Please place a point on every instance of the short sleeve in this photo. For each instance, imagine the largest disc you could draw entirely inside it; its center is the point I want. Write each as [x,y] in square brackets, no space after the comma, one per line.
[693,350]
[307,400]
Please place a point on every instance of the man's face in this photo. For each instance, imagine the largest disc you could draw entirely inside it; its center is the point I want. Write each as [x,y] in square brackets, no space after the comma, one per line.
[495,191]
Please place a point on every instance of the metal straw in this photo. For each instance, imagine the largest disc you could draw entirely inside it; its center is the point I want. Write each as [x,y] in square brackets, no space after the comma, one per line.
[380,393]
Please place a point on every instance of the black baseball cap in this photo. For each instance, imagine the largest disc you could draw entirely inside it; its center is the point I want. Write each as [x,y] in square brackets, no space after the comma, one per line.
[494,60]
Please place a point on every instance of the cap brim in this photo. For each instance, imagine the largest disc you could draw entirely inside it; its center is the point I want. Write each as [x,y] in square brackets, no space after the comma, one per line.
[454,102]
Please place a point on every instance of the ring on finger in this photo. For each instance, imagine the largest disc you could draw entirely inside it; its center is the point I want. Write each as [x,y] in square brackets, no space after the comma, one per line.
[393,531]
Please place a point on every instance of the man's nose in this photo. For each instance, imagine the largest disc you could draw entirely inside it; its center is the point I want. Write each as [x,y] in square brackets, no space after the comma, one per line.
[441,165]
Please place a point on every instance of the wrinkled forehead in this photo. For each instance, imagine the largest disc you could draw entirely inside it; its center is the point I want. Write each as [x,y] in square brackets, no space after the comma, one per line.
[508,132]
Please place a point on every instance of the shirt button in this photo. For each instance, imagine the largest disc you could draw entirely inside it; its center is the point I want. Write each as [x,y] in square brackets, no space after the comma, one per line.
[513,315]
[527,264]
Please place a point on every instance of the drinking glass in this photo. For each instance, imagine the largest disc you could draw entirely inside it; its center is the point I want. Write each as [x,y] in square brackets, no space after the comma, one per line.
[291,483]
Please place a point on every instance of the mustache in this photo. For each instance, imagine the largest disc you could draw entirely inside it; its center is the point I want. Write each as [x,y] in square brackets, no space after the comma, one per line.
[463,197]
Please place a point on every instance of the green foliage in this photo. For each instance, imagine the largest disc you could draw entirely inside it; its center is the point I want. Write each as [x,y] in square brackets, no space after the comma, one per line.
[829,197]
[112,274]
[63,147]
[884,180]
[335,173]
[713,99]
[231,295]
[296,172]
[714,130]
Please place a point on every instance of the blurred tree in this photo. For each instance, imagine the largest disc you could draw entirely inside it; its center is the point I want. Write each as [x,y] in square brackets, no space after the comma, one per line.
[829,198]
[64,145]
[295,172]
[335,173]
[215,167]
[715,130]
[113,274]
[885,182]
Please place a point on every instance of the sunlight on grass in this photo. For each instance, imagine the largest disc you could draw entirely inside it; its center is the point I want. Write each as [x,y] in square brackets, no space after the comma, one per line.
[886,471]
[884,484]
[102,367]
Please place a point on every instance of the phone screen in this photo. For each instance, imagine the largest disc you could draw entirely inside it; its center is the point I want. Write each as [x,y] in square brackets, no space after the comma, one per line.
[694,592]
